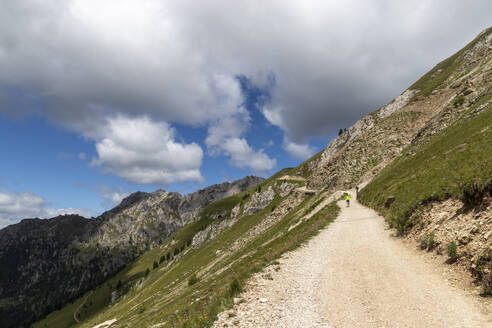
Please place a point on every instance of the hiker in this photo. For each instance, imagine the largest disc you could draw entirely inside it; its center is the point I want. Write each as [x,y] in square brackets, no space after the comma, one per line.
[347,198]
[356,191]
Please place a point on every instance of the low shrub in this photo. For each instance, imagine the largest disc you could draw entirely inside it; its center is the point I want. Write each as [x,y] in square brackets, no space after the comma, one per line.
[234,288]
[473,193]
[192,280]
[482,269]
[452,252]
[427,241]
[458,101]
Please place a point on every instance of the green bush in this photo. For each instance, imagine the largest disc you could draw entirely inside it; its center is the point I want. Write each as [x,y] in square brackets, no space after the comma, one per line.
[162,259]
[156,265]
[427,241]
[192,280]
[473,193]
[452,252]
[234,288]
[458,101]
[483,271]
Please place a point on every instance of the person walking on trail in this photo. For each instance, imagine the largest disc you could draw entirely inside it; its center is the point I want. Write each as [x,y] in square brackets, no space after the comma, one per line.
[356,191]
[347,198]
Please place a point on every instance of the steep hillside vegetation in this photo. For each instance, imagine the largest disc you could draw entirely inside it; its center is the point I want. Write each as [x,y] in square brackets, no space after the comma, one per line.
[197,272]
[438,191]
[454,164]
[45,263]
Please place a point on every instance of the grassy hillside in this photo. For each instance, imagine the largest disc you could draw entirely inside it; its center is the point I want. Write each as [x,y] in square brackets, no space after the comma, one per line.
[177,285]
[437,76]
[457,162]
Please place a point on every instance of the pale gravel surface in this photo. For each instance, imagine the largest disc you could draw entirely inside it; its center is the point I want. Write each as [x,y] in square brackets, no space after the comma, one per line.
[353,274]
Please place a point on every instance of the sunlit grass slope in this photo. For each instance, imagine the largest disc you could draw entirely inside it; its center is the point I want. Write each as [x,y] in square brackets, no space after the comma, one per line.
[453,162]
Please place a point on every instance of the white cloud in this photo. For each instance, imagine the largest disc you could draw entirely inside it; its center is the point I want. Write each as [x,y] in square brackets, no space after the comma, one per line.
[15,206]
[298,150]
[242,155]
[224,137]
[174,60]
[82,156]
[143,151]
[111,196]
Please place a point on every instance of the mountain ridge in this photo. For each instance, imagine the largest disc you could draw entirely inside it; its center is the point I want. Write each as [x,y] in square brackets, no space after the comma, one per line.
[35,251]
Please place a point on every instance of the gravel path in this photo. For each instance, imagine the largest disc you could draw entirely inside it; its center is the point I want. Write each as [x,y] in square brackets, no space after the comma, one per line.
[353,274]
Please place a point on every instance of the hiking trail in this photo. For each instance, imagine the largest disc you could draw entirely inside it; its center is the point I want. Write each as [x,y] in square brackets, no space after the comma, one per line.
[354,274]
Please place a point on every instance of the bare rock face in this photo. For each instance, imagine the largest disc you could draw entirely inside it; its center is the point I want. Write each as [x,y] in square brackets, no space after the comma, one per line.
[45,263]
[258,201]
[286,188]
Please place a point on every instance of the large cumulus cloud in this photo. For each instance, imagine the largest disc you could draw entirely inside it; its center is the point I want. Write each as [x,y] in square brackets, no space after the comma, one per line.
[143,151]
[84,61]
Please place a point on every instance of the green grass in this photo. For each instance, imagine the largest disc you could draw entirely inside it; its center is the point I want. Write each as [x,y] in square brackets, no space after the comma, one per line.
[441,72]
[166,294]
[439,169]
[303,169]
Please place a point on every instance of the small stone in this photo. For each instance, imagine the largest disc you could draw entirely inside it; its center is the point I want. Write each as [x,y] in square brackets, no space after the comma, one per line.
[464,239]
[487,235]
[263,300]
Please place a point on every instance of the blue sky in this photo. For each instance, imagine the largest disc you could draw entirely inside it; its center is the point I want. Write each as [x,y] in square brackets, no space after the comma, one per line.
[54,162]
[102,98]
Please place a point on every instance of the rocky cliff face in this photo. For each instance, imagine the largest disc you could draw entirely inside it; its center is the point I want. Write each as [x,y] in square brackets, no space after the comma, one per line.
[45,263]
[437,100]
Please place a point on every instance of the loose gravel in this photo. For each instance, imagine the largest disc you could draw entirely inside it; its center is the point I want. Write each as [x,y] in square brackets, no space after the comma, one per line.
[354,274]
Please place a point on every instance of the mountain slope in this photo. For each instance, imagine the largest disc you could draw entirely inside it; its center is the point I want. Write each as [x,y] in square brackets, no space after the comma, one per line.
[204,263]
[200,268]
[45,263]
[431,104]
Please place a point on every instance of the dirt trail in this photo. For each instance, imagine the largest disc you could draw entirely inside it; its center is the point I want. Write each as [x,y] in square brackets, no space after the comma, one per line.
[372,280]
[76,313]
[353,274]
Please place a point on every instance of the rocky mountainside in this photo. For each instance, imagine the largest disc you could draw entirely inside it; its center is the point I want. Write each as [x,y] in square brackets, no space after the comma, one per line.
[434,102]
[45,263]
[189,273]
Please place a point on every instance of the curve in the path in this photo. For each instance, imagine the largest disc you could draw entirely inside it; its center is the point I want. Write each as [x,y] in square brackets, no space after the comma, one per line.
[76,313]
